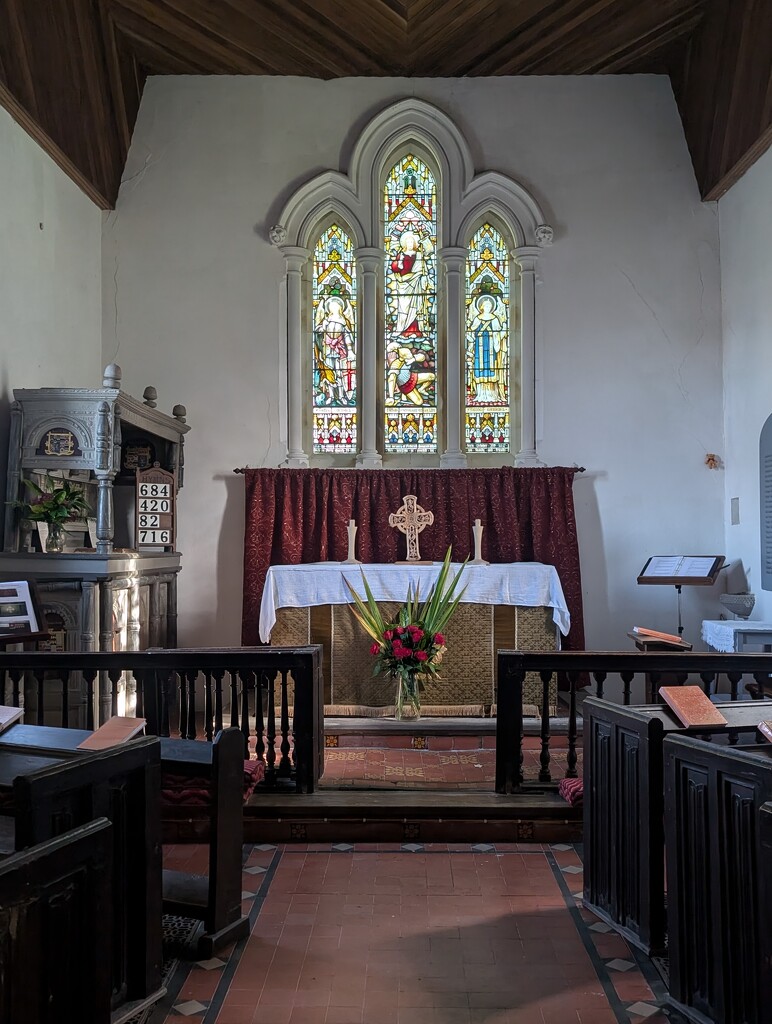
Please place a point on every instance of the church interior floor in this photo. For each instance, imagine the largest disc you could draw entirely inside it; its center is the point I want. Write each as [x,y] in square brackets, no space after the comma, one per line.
[411,933]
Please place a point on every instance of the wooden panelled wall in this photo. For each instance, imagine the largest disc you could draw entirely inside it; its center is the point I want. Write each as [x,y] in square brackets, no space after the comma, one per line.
[72,71]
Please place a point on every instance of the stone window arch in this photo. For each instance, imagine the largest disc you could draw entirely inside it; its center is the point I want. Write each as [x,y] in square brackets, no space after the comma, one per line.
[354,202]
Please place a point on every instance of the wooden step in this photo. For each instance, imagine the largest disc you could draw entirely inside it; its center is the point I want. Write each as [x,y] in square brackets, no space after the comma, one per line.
[536,814]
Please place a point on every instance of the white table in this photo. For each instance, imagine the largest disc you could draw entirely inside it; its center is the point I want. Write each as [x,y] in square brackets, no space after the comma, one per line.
[529,584]
[733,637]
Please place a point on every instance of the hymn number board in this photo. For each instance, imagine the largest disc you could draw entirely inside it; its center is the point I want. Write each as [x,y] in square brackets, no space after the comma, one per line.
[156,510]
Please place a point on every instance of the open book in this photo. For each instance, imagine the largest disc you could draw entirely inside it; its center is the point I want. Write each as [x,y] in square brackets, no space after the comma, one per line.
[116,730]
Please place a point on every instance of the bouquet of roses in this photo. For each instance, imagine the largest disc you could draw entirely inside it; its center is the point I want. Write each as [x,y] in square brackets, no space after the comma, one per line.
[411,648]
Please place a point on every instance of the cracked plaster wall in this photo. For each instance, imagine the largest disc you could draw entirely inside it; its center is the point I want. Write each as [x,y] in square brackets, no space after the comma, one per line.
[745,217]
[629,359]
[50,271]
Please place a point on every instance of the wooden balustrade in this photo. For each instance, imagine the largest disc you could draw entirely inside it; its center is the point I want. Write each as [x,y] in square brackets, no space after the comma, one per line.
[239,686]
[600,669]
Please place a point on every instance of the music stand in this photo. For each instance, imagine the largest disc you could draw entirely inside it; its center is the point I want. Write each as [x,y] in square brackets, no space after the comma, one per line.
[679,571]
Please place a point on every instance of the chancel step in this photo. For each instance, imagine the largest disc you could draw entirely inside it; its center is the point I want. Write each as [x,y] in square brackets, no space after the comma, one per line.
[537,815]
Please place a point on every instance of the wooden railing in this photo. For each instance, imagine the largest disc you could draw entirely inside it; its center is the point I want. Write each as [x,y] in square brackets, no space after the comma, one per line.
[191,693]
[602,669]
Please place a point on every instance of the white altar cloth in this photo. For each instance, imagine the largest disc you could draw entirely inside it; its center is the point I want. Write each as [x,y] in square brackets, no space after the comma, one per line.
[730,635]
[531,584]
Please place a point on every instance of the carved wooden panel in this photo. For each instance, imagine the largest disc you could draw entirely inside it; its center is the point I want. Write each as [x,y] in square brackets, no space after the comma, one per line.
[719,894]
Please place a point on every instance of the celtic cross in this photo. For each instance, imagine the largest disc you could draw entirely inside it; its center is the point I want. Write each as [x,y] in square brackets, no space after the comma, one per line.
[411,519]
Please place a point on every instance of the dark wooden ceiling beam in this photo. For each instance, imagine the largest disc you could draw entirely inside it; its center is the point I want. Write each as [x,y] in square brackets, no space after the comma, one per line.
[725,92]
[56,86]
[177,32]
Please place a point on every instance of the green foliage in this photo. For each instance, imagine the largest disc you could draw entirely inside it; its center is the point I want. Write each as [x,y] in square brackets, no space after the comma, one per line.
[54,504]
[412,646]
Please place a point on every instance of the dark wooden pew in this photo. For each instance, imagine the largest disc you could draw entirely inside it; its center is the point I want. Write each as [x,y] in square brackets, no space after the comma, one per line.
[719,884]
[122,784]
[214,771]
[54,946]
[624,827]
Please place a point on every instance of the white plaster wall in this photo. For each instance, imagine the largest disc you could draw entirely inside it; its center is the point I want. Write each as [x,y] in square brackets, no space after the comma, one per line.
[50,269]
[630,356]
[745,216]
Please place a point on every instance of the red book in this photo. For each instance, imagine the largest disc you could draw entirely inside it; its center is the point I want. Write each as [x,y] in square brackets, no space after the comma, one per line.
[116,730]
[691,706]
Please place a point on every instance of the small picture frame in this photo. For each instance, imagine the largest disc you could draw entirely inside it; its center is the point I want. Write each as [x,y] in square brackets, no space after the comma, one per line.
[20,612]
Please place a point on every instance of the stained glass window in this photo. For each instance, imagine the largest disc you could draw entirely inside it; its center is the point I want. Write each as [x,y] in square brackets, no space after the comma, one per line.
[487,342]
[410,236]
[334,349]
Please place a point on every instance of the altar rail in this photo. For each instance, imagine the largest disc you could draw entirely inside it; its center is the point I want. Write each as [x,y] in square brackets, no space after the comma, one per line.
[602,668]
[244,687]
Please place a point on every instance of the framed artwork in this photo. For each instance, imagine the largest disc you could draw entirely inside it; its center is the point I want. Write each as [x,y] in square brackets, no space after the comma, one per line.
[19,610]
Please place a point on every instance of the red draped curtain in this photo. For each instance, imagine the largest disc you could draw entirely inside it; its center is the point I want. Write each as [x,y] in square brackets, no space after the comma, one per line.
[301,515]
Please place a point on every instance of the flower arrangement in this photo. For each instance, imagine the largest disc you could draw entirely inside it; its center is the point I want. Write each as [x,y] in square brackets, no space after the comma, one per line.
[411,648]
[54,504]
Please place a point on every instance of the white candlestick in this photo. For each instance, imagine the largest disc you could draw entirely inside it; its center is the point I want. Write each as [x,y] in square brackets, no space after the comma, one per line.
[351,529]
[477,530]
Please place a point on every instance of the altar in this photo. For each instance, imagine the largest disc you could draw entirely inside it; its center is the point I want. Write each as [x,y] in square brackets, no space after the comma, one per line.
[514,606]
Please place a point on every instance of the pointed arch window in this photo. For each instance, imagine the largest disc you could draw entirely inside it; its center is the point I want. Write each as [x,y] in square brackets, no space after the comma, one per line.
[487,343]
[334,344]
[410,241]
[411,303]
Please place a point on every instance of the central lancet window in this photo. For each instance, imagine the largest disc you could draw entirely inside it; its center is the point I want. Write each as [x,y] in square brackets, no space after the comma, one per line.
[410,241]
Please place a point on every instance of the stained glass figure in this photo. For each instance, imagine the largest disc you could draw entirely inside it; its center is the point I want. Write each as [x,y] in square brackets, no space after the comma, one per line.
[410,236]
[334,348]
[487,342]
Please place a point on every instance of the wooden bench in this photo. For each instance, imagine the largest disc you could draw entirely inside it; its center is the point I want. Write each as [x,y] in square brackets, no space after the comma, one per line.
[54,947]
[121,784]
[208,779]
[204,787]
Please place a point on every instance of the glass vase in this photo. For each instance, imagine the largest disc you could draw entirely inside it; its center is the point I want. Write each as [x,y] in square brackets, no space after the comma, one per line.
[55,539]
[407,702]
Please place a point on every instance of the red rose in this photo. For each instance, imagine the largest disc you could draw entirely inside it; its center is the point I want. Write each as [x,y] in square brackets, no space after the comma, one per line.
[400,631]
[439,638]
[416,634]
[388,634]
[374,648]
[422,655]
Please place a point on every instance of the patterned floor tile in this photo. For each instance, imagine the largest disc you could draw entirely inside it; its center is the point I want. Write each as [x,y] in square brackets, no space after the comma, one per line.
[190,1008]
[643,1009]
[618,964]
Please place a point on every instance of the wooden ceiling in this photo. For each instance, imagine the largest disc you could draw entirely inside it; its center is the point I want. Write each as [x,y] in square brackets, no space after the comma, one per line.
[72,71]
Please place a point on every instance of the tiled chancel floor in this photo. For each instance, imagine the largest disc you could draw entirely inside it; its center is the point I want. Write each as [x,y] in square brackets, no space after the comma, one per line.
[415,934]
[383,768]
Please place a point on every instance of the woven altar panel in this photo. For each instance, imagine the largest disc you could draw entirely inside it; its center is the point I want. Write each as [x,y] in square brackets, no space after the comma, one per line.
[292,627]
[527,629]
[535,630]
[466,670]
[296,627]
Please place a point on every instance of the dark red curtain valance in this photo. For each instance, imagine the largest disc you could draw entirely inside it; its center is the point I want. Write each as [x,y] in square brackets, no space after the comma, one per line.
[300,515]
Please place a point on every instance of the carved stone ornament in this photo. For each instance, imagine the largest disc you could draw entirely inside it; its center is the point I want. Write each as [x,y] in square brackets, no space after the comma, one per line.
[278,234]
[411,519]
[544,234]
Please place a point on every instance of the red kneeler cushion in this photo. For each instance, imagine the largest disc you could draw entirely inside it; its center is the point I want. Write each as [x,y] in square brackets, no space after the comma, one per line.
[194,791]
[572,790]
